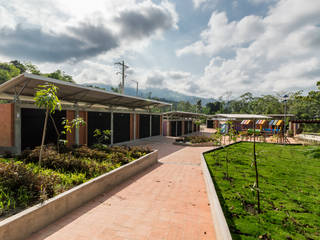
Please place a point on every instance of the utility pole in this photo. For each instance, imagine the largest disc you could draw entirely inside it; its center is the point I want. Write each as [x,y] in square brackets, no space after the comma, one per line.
[124,67]
[137,86]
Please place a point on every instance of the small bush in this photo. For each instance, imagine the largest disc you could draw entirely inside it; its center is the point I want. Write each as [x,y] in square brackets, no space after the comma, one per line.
[198,139]
[20,187]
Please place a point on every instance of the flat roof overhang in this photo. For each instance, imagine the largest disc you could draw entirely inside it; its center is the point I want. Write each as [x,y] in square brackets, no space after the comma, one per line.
[241,116]
[180,114]
[25,85]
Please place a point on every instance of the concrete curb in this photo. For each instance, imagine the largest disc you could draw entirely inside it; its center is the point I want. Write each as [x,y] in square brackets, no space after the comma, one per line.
[219,221]
[206,144]
[23,224]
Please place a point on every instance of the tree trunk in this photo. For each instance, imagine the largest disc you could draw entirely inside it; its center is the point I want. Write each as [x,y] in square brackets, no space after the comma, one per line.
[255,166]
[57,131]
[43,135]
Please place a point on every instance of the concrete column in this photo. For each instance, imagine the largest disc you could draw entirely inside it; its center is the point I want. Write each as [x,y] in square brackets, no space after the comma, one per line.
[77,130]
[134,126]
[111,137]
[17,128]
[150,125]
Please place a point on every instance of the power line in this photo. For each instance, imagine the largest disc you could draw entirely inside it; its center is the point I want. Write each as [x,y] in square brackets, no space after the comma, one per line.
[124,67]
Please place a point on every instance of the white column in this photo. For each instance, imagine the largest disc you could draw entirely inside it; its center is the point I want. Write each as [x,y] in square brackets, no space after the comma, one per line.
[17,128]
[111,137]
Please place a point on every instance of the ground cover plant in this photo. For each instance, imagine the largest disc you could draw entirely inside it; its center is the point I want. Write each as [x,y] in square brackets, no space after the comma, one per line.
[289,185]
[24,183]
[197,139]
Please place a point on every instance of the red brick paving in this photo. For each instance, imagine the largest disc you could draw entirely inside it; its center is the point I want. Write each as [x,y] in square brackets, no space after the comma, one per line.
[168,201]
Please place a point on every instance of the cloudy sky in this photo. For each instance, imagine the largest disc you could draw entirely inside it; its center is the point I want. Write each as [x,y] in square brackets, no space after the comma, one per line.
[197,47]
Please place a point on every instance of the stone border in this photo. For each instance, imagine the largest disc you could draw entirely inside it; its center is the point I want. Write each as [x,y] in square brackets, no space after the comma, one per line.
[23,224]
[204,144]
[309,138]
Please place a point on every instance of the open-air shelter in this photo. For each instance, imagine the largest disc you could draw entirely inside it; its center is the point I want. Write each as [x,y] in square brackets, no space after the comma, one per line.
[178,123]
[21,122]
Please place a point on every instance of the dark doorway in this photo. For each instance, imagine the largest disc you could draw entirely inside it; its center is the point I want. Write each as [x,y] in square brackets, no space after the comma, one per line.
[179,128]
[209,123]
[121,127]
[97,120]
[32,121]
[190,126]
[155,125]
[144,126]
[173,128]
[185,127]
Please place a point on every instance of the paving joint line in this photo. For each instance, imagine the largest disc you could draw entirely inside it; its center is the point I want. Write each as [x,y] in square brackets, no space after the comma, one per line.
[181,163]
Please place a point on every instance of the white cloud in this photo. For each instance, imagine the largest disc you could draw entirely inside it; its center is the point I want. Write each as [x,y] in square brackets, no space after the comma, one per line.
[278,52]
[197,3]
[73,30]
[221,35]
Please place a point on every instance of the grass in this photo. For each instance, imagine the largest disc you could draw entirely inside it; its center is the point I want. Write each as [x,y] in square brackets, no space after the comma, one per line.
[289,183]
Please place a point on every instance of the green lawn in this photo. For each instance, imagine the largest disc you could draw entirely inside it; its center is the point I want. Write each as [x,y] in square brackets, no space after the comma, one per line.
[289,189]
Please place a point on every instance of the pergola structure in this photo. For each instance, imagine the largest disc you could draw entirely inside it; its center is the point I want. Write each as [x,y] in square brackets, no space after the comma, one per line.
[127,117]
[178,123]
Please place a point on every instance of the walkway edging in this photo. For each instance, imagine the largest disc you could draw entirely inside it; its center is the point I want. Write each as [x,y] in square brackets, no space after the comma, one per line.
[23,224]
[219,221]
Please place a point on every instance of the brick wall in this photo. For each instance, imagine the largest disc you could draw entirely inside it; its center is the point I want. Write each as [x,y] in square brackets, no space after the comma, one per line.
[83,130]
[7,125]
[137,126]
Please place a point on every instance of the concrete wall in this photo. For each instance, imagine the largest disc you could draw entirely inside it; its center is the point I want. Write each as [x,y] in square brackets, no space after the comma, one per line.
[219,221]
[23,224]
[7,125]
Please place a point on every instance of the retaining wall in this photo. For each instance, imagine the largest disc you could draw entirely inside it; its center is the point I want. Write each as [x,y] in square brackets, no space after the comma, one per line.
[23,224]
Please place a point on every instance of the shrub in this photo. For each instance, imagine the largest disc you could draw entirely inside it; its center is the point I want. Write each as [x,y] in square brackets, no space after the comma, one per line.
[20,187]
[198,139]
[67,162]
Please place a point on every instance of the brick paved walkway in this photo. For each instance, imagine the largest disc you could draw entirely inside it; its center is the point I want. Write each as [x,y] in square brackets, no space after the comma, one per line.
[168,201]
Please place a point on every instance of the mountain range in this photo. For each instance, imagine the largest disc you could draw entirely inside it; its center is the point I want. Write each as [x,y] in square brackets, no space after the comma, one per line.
[163,94]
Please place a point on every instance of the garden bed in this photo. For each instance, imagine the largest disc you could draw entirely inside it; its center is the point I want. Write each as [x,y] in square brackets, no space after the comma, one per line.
[289,190]
[196,141]
[23,183]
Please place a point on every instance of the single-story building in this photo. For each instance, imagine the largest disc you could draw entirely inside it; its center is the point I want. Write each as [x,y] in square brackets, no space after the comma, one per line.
[180,123]
[21,122]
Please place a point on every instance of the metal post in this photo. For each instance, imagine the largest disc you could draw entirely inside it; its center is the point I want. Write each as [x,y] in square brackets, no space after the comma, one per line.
[111,137]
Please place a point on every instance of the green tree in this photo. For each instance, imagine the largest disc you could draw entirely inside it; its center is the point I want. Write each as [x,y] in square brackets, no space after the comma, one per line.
[60,75]
[32,68]
[46,98]
[8,71]
[19,65]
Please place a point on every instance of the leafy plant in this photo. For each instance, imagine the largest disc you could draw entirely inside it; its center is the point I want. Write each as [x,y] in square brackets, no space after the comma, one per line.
[46,97]
[102,136]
